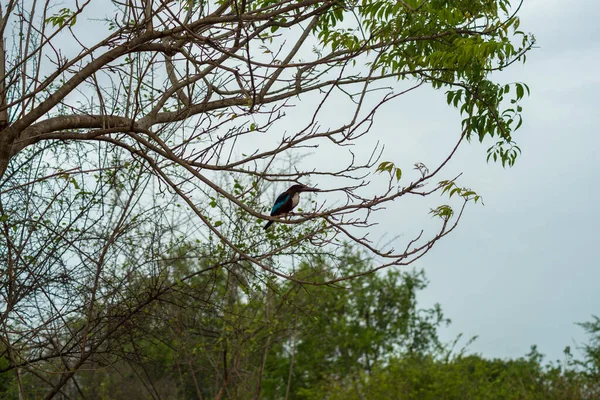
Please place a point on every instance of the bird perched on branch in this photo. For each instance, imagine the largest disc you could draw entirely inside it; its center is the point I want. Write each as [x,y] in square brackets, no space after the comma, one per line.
[287,200]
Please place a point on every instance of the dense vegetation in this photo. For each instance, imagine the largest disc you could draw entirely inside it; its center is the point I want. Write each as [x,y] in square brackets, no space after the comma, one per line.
[237,335]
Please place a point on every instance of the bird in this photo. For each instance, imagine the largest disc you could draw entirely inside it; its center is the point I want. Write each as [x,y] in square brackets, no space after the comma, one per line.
[287,200]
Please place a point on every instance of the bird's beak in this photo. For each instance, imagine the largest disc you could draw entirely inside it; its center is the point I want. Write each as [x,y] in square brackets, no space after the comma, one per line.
[309,189]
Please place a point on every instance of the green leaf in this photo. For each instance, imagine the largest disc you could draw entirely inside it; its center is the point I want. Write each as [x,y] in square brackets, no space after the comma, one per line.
[520,91]
[60,19]
[398,174]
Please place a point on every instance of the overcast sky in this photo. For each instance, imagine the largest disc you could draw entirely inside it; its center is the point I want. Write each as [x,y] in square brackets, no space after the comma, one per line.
[524,268]
[521,269]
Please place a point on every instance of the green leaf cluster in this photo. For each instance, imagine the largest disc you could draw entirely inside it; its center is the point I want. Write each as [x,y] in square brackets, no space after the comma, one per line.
[62,18]
[453,45]
[388,166]
[452,188]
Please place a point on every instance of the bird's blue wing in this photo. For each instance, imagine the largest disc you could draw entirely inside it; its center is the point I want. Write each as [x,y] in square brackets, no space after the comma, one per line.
[281,200]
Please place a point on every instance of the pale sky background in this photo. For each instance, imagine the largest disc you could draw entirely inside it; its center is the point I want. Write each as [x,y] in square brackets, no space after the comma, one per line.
[522,269]
[519,270]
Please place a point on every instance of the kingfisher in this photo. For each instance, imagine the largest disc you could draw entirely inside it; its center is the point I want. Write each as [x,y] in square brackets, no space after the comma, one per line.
[287,200]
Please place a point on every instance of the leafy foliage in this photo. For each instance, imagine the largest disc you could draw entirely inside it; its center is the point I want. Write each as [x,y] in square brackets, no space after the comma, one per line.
[464,377]
[233,333]
[591,351]
[64,17]
[351,328]
[458,59]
